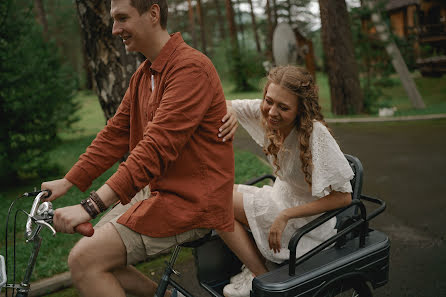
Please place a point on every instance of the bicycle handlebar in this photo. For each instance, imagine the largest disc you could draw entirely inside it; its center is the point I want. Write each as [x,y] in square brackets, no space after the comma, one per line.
[85,229]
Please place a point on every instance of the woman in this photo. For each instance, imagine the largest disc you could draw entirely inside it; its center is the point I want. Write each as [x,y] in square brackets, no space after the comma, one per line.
[313,175]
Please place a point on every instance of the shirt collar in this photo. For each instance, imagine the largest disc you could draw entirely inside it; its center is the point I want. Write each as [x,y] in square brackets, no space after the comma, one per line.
[161,60]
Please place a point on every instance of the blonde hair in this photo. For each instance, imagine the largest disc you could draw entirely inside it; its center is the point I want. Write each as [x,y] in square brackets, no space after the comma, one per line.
[300,82]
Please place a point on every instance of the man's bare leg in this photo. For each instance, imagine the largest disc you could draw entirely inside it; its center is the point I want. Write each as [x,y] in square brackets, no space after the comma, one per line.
[135,282]
[97,262]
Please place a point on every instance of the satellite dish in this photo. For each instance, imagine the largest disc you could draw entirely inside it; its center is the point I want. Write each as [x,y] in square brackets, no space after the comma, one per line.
[284,45]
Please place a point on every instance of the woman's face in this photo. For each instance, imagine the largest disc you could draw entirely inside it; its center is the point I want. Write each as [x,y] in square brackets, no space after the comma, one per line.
[280,108]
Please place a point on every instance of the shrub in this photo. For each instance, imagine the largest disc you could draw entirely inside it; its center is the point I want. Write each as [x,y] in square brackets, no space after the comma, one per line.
[375,66]
[36,94]
[243,67]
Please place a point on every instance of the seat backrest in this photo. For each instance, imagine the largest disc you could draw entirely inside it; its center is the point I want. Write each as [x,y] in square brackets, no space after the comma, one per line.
[356,183]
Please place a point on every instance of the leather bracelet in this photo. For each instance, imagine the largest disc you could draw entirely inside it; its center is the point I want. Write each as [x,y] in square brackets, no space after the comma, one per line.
[87,204]
[96,199]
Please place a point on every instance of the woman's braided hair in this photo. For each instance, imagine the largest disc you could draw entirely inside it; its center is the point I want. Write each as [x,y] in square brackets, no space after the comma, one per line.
[300,82]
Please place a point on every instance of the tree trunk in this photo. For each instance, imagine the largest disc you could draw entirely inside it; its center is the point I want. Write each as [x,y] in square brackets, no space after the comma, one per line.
[254,27]
[221,22]
[192,24]
[237,69]
[111,66]
[276,17]
[172,17]
[41,17]
[289,12]
[310,61]
[231,22]
[343,75]
[89,85]
[240,21]
[202,26]
[269,39]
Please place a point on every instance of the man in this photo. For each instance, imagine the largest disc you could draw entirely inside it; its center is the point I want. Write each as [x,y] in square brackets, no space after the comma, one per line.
[168,120]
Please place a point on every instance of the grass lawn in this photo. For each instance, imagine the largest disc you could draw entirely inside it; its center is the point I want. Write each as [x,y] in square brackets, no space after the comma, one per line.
[432,90]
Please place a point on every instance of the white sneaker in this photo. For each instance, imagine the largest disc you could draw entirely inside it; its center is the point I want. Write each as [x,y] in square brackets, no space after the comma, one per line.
[176,293]
[241,276]
[240,289]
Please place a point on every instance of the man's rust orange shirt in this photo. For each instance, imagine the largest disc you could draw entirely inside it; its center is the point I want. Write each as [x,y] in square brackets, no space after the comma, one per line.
[168,120]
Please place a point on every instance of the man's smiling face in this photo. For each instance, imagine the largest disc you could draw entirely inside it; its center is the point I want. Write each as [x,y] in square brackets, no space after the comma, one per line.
[128,24]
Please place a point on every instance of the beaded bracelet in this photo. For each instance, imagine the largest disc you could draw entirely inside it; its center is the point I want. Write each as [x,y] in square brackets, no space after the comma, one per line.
[96,199]
[87,204]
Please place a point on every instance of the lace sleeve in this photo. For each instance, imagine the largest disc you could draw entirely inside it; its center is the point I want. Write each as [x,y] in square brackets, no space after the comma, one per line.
[330,167]
[248,115]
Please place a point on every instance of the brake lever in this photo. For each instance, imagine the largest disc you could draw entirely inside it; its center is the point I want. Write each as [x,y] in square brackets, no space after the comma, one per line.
[45,215]
[33,212]
[45,224]
[42,216]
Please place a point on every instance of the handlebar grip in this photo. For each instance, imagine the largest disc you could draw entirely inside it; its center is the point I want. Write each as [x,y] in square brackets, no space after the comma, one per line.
[48,193]
[85,229]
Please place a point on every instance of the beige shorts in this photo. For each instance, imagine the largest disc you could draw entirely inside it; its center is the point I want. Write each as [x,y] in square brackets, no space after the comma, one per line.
[139,247]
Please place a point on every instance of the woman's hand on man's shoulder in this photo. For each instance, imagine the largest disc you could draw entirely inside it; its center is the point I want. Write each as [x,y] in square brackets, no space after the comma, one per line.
[230,123]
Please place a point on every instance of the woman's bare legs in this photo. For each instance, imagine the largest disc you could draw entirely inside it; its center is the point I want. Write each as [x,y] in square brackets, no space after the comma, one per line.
[240,242]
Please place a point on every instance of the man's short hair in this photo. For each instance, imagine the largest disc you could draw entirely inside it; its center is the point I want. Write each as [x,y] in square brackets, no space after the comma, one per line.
[144,5]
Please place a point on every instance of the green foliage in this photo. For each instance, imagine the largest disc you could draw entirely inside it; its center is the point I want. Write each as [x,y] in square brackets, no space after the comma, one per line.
[374,64]
[36,95]
[65,31]
[220,58]
[252,66]
[407,49]
[243,67]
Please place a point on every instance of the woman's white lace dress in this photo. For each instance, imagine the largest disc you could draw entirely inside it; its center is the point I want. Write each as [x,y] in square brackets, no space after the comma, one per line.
[262,205]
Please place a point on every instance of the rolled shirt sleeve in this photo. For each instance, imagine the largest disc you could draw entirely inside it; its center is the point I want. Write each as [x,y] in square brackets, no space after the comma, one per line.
[109,146]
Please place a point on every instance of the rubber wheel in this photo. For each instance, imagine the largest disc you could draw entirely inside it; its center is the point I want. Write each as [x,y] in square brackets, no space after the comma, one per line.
[352,288]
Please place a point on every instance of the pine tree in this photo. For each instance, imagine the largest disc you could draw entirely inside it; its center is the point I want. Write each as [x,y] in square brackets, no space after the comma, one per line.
[36,94]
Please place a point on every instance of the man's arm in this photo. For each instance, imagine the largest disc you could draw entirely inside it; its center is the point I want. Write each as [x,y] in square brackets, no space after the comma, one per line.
[109,146]
[105,150]
[67,218]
